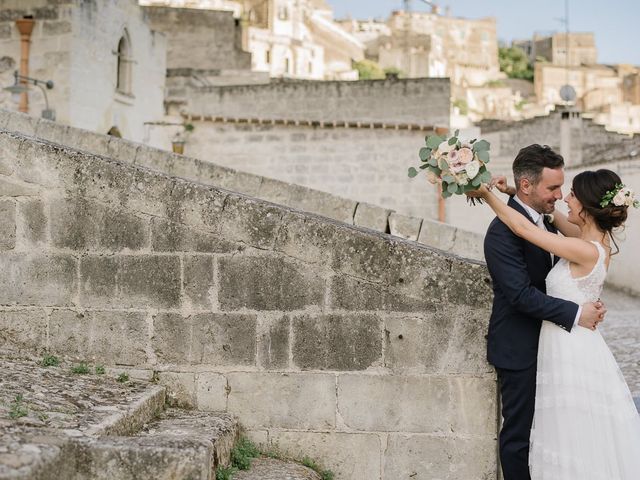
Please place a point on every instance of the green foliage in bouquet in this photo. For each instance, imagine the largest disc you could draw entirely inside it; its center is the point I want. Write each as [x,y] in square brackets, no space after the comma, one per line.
[459,167]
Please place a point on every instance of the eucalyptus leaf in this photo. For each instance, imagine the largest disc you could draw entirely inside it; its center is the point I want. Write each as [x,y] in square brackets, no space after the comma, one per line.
[433,141]
[473,141]
[453,188]
[485,177]
[453,140]
[476,181]
[433,162]
[481,146]
[456,133]
[460,189]
[424,165]
[442,163]
[435,170]
[448,178]
[445,193]
[483,155]
[425,153]
[412,172]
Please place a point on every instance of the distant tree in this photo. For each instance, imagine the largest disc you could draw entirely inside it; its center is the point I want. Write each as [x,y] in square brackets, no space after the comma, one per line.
[394,72]
[369,70]
[514,62]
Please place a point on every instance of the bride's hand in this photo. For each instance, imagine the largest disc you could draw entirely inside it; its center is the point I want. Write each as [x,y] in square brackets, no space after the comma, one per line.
[481,192]
[500,182]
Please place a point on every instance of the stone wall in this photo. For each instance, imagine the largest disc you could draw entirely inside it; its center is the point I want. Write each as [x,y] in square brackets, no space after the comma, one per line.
[326,339]
[203,39]
[415,101]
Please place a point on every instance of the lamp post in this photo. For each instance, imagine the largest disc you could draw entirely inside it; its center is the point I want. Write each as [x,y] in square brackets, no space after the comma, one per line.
[20,85]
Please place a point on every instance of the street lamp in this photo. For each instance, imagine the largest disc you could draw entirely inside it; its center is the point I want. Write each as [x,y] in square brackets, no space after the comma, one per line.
[20,86]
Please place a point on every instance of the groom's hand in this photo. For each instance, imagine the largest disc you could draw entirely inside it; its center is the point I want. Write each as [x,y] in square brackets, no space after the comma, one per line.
[592,314]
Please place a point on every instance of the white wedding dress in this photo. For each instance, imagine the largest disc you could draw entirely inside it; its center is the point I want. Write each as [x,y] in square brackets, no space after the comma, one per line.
[586,425]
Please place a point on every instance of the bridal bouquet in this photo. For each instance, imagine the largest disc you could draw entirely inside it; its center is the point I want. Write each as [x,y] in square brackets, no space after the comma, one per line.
[459,167]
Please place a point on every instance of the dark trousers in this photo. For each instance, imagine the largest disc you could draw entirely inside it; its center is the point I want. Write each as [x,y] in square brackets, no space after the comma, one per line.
[517,392]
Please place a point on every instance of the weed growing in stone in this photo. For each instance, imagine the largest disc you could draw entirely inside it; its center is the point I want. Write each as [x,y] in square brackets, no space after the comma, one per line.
[243,453]
[80,369]
[18,409]
[100,370]
[310,463]
[50,361]
[123,378]
[225,473]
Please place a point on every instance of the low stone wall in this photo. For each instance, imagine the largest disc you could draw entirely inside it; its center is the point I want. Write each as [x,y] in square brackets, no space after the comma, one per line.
[326,339]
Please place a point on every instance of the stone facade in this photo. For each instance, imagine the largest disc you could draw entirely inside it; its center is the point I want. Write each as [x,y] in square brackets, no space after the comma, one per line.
[322,338]
[75,44]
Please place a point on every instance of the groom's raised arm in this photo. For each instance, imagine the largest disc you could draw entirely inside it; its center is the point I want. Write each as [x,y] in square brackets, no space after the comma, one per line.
[505,259]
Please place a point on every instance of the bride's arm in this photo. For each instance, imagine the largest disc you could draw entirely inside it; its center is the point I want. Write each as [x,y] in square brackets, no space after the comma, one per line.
[560,221]
[573,249]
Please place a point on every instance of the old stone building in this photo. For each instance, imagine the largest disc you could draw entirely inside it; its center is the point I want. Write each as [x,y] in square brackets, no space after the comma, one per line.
[580,50]
[106,63]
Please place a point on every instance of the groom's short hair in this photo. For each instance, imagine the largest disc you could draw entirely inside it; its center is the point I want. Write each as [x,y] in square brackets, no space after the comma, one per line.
[531,160]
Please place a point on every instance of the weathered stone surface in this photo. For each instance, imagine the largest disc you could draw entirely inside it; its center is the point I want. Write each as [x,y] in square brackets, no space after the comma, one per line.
[130,281]
[24,330]
[371,216]
[206,338]
[32,221]
[181,388]
[267,283]
[420,456]
[12,187]
[173,237]
[33,165]
[7,224]
[282,400]
[438,235]
[211,391]
[30,279]
[56,28]
[337,342]
[198,280]
[349,456]
[468,244]
[5,31]
[122,150]
[110,337]
[274,469]
[404,226]
[249,221]
[273,342]
[81,224]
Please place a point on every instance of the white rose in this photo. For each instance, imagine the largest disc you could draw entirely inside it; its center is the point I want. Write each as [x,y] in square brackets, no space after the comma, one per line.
[444,148]
[620,198]
[473,169]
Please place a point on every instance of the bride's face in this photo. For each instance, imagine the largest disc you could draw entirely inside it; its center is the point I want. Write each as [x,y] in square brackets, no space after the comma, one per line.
[575,208]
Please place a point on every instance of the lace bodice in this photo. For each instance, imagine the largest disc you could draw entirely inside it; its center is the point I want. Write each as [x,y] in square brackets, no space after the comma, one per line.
[561,284]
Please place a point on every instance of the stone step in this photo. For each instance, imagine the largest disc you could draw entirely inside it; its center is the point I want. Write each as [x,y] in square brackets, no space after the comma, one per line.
[273,469]
[178,445]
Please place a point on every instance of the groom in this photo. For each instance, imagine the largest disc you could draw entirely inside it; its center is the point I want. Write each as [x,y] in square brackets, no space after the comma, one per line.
[518,270]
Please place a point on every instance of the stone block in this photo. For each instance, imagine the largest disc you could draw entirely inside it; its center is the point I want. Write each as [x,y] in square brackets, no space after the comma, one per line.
[273,342]
[443,458]
[22,123]
[198,280]
[207,338]
[24,330]
[404,226]
[438,235]
[32,221]
[337,342]
[181,388]
[282,400]
[173,237]
[371,216]
[114,338]
[5,31]
[12,187]
[250,221]
[56,28]
[267,283]
[468,245]
[474,402]
[81,224]
[122,150]
[37,164]
[321,203]
[88,141]
[350,456]
[7,224]
[130,281]
[45,280]
[211,391]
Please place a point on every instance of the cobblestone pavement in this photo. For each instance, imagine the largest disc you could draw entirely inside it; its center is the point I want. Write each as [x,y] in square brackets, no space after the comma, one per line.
[621,330]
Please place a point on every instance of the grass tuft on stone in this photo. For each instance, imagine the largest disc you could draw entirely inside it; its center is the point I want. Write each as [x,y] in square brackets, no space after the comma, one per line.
[80,369]
[243,454]
[310,463]
[225,473]
[123,378]
[50,361]
[17,408]
[100,370]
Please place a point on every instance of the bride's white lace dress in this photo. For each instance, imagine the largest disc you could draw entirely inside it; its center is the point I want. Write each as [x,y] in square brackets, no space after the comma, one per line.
[586,425]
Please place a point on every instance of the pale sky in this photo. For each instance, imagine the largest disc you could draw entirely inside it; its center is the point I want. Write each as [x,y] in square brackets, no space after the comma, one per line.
[616,23]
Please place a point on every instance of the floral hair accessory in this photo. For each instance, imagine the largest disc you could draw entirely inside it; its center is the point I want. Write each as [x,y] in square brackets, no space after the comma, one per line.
[620,196]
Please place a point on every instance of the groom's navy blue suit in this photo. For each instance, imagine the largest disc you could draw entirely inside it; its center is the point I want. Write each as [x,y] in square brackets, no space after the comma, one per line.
[518,270]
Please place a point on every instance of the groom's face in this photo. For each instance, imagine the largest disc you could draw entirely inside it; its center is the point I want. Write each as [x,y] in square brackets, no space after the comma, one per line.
[544,195]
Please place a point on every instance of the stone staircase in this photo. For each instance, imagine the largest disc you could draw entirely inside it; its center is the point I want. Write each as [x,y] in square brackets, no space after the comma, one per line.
[58,425]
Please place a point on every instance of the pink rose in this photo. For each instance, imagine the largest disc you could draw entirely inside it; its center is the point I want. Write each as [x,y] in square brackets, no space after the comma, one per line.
[465,155]
[455,160]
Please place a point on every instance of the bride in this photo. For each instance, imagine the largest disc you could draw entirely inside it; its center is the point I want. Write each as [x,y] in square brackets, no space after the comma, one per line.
[585,425]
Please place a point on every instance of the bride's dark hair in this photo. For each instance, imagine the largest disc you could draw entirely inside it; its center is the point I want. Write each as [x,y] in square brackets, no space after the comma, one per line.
[590,187]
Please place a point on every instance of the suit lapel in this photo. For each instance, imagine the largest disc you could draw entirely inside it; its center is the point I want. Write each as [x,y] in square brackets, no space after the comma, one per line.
[547,256]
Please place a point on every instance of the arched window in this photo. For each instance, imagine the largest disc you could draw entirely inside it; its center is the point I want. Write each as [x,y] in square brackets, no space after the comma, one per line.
[123,79]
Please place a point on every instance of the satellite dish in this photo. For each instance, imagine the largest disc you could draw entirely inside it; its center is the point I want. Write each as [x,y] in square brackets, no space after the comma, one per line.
[567,93]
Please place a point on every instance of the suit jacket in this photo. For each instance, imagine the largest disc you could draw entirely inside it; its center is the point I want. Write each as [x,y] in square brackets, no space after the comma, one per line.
[520,304]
